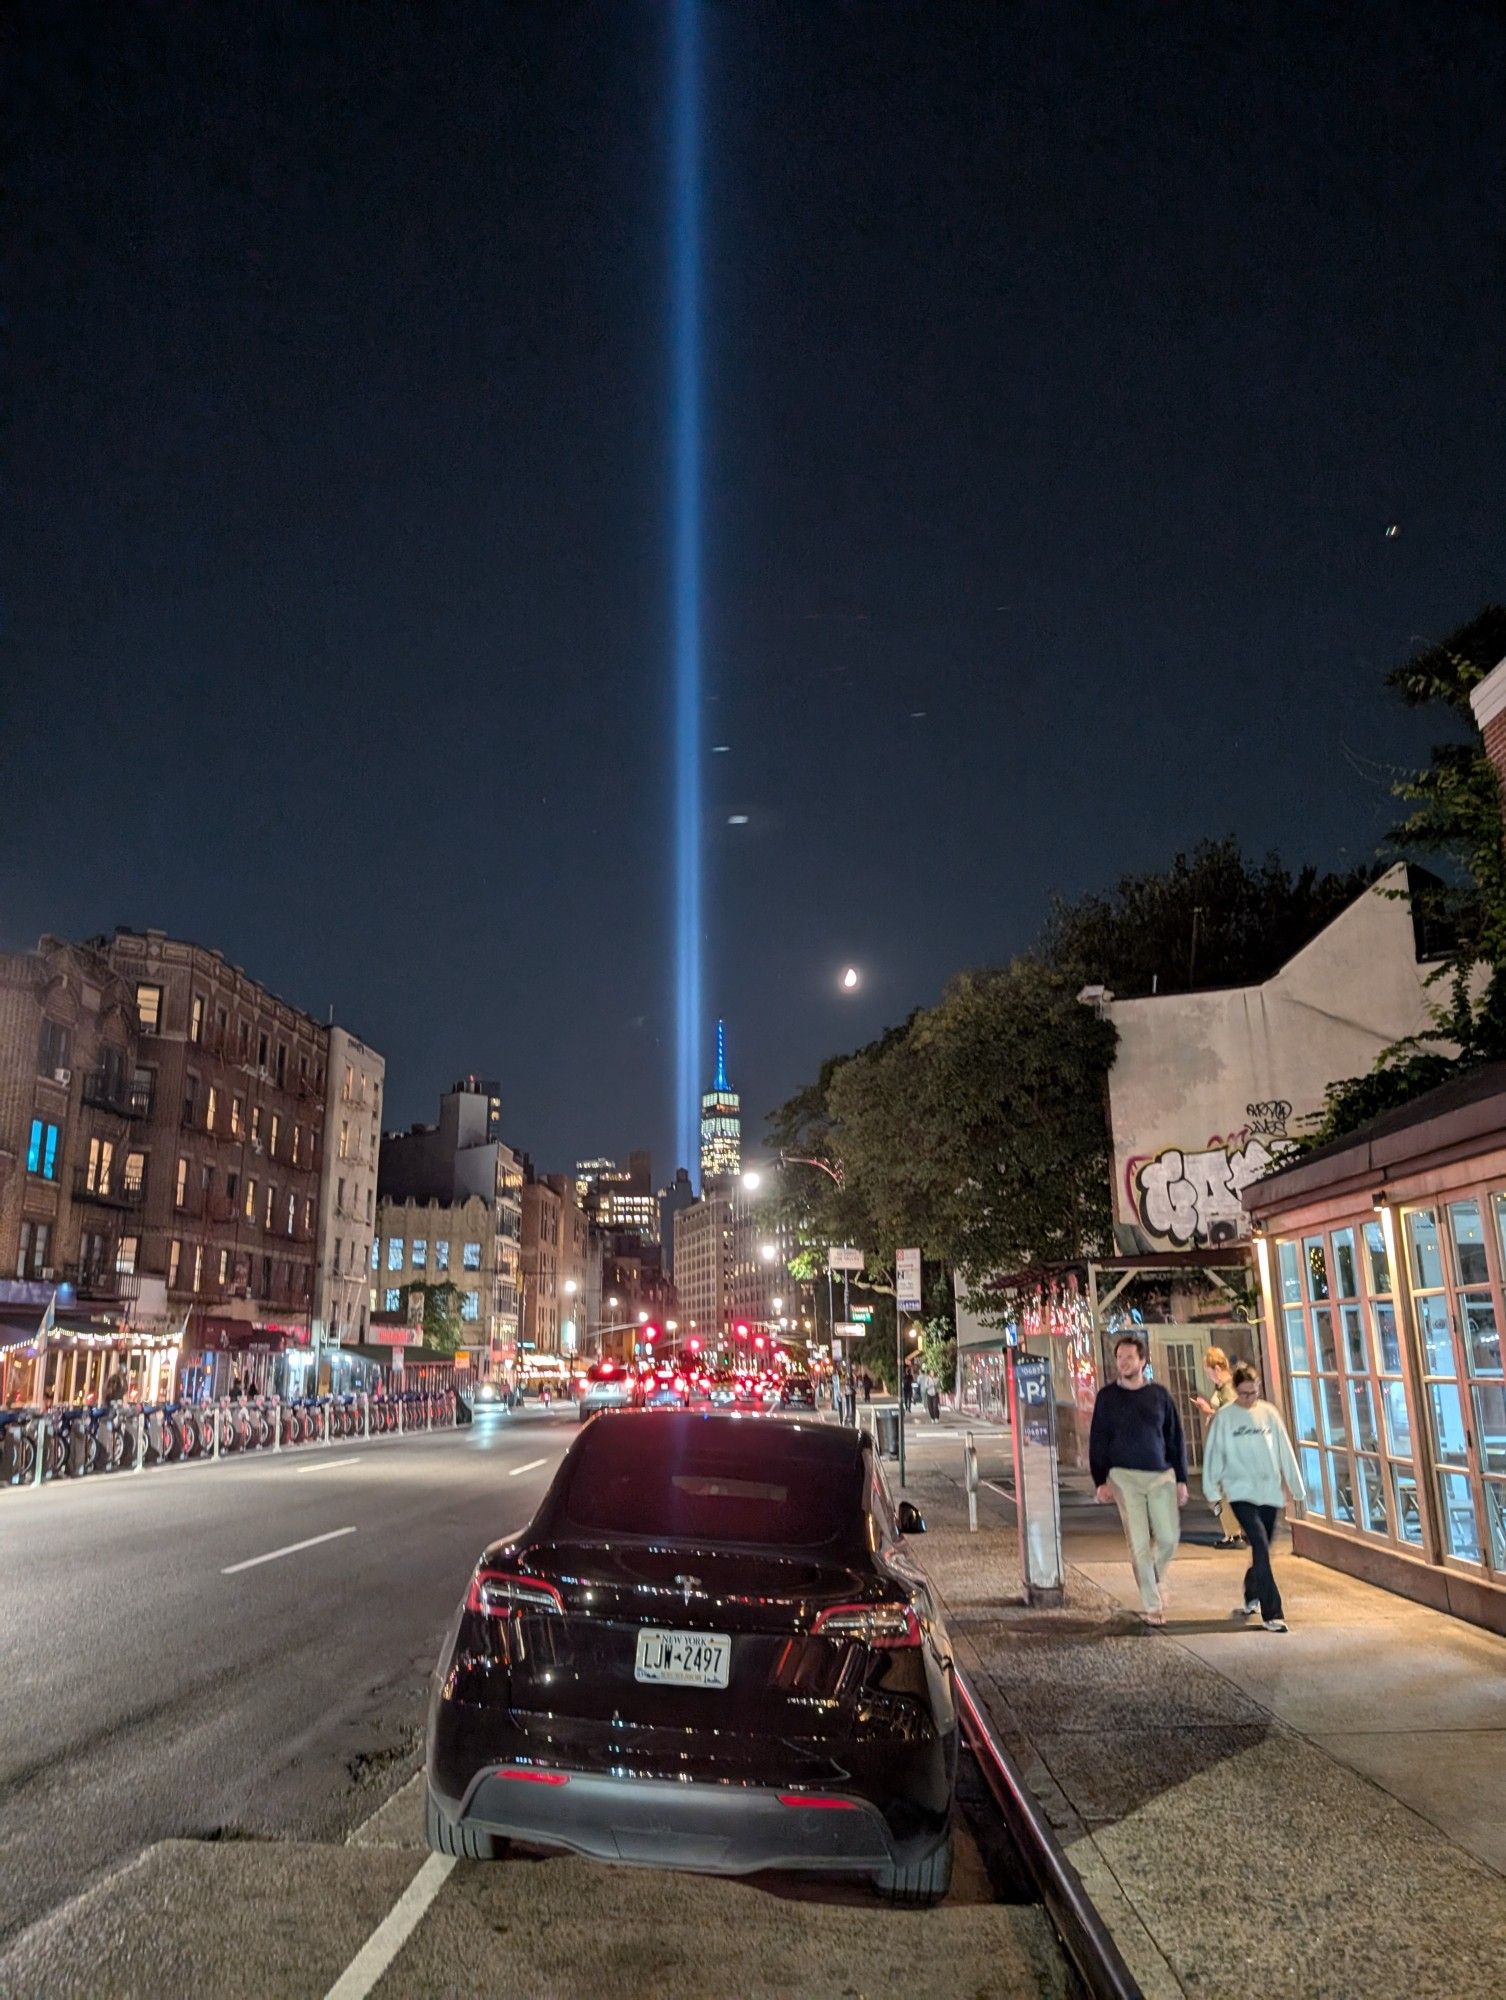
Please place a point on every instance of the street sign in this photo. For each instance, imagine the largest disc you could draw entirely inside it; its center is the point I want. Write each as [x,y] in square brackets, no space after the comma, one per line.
[843,1257]
[848,1329]
[907,1280]
[396,1336]
[864,1313]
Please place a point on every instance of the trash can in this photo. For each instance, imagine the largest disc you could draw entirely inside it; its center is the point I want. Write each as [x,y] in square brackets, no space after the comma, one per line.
[886,1433]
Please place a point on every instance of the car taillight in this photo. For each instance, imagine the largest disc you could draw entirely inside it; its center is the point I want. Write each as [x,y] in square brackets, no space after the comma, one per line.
[495,1593]
[886,1625]
[518,1777]
[817,1802]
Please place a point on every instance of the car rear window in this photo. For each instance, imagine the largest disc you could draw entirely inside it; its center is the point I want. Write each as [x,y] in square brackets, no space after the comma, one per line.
[714,1483]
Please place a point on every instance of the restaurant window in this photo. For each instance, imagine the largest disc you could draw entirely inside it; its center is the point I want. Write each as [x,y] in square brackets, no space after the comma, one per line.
[1457,1328]
[1350,1418]
[149,1008]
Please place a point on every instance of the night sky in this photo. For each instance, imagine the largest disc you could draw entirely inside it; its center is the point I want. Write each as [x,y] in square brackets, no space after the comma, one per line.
[1065,368]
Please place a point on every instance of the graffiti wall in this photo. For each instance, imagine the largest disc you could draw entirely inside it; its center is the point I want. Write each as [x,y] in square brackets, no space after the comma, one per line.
[1188,1197]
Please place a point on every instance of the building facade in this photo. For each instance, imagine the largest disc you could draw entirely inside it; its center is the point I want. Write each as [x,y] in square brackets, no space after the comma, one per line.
[427,1245]
[721,1125]
[542,1266]
[458,1159]
[703,1260]
[355,1076]
[228,1155]
[619,1200]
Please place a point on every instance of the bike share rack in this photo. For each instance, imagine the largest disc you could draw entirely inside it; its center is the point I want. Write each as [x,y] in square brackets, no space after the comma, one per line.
[212,1431]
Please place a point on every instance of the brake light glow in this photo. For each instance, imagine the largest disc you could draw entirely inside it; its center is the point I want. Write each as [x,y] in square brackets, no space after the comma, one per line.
[816,1802]
[496,1593]
[535,1777]
[889,1626]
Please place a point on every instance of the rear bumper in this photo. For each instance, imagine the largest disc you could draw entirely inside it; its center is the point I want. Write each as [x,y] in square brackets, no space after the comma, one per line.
[706,1828]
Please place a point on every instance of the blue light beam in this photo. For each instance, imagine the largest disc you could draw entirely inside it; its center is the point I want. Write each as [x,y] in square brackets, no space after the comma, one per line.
[685,408]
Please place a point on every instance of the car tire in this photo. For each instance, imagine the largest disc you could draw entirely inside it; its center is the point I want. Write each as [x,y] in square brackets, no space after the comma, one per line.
[920,1885]
[446,1836]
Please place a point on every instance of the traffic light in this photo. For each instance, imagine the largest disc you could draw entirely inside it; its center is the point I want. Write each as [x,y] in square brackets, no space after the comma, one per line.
[742,1330]
[695,1345]
[758,1343]
[651,1334]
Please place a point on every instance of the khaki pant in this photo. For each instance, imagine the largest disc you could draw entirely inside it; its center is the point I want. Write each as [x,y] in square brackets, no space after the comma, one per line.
[1152,1526]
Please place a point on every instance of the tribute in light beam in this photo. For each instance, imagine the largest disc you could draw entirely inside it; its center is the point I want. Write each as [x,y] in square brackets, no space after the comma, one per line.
[685,416]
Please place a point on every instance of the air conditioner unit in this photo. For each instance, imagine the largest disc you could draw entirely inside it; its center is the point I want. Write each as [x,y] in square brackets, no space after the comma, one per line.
[62,1076]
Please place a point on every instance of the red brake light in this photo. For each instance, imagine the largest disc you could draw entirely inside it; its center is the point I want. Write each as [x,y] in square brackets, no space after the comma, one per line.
[496,1593]
[817,1800]
[534,1777]
[890,1626]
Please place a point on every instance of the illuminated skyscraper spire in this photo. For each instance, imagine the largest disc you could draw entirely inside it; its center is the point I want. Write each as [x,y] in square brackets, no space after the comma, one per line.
[721,1125]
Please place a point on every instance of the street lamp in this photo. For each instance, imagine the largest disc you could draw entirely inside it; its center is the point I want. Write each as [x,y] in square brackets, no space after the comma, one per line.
[778,1305]
[751,1179]
[768,1252]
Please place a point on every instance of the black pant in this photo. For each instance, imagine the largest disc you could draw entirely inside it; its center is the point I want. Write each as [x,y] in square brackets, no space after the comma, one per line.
[1259,1524]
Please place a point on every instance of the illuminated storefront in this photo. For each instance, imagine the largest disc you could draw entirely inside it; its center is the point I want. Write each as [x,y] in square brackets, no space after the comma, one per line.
[1383,1270]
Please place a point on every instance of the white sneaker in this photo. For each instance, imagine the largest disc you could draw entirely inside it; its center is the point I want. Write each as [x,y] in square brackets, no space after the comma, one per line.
[1276,1625]
[1250,1610]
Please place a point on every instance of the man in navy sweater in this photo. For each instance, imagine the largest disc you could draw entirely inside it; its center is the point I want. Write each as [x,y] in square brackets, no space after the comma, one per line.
[1138,1459]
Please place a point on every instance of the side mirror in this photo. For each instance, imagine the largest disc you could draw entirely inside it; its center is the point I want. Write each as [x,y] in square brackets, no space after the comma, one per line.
[911,1521]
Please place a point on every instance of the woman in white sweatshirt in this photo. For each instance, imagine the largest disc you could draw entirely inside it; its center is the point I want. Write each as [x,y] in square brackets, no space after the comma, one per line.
[1247,1460]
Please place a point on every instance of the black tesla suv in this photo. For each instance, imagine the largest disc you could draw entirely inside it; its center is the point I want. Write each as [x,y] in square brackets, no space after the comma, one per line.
[709,1649]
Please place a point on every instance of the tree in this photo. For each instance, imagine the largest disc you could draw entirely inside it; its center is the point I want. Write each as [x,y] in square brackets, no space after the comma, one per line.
[1456,824]
[1212,918]
[439,1310]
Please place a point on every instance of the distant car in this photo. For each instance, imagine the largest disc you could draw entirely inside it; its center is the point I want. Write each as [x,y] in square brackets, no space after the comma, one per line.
[709,1650]
[607,1386]
[664,1389]
[723,1391]
[797,1392]
[486,1400]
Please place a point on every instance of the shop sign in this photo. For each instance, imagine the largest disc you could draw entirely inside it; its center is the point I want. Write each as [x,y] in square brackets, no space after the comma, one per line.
[396,1336]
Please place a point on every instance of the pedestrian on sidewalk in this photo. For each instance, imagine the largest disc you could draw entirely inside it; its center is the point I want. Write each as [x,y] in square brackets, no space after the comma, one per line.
[1138,1458]
[1219,1397]
[1247,1460]
[867,1387]
[931,1389]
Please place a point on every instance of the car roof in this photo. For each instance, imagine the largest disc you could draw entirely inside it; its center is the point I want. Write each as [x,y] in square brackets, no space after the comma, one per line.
[662,1427]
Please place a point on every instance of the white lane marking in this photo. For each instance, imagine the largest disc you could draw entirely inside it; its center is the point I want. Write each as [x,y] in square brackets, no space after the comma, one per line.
[291,1550]
[325,1465]
[1003,1491]
[360,1977]
[532,1466]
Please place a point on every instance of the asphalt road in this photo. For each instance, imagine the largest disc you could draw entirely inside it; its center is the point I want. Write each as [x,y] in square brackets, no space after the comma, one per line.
[145,1694]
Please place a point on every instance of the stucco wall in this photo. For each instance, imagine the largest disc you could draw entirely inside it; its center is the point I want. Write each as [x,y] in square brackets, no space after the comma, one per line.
[1207,1087]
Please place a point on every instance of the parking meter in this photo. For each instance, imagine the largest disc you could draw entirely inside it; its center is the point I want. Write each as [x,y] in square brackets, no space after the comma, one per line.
[1037,1502]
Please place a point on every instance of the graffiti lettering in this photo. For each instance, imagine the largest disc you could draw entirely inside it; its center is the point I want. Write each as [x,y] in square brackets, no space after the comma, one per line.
[1267,1120]
[1192,1199]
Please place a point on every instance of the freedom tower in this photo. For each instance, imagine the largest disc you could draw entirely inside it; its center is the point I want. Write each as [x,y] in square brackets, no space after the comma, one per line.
[721,1125]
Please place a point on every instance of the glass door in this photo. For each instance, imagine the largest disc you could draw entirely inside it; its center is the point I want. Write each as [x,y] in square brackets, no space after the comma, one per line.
[1451,1291]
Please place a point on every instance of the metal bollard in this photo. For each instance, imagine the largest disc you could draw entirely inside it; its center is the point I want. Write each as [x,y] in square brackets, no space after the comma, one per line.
[325,1412]
[277,1423]
[141,1422]
[36,1477]
[216,1433]
[365,1415]
[970,1479]
[400,1401]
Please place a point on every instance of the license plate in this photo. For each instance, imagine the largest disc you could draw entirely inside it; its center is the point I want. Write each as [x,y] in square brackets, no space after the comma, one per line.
[683,1659]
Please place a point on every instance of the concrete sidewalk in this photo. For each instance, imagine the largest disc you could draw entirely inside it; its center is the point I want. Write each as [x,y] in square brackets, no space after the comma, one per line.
[1316,1813]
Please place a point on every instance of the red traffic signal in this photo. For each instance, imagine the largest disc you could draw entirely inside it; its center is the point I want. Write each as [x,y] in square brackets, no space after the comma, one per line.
[651,1334]
[742,1330]
[759,1341]
[695,1345]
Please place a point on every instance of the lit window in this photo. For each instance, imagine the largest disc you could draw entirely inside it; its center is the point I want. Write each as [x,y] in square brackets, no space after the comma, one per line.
[420,1252]
[442,1256]
[394,1253]
[471,1257]
[292,1211]
[376,1253]
[42,1150]
[250,1201]
[180,1185]
[125,1255]
[196,1027]
[211,1108]
[274,1135]
[198,1265]
[224,1267]
[308,1213]
[237,1116]
[392,1301]
[174,1258]
[266,1220]
[135,1172]
[297,1143]
[470,1305]
[149,1008]
[344,1138]
[101,1159]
